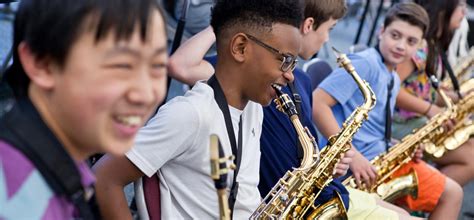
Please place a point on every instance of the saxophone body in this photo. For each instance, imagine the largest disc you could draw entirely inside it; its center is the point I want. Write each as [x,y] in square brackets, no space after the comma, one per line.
[294,195]
[462,70]
[464,127]
[389,188]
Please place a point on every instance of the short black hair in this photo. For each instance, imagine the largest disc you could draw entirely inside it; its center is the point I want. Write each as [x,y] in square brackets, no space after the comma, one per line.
[51,27]
[255,15]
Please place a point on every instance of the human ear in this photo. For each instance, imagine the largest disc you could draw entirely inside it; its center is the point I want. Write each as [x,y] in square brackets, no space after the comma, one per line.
[307,25]
[238,47]
[37,69]
[382,30]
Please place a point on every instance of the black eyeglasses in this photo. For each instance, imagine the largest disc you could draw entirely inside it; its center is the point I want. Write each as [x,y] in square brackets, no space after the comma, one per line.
[288,63]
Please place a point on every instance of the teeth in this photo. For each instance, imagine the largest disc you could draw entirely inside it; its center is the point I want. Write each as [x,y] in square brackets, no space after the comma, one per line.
[130,120]
[276,86]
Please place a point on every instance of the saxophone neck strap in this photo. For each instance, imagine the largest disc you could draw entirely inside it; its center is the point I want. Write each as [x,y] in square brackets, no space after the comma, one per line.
[388,114]
[219,96]
[452,76]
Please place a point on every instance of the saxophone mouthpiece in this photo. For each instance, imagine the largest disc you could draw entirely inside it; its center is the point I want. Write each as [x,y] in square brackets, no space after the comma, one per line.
[337,53]
[277,89]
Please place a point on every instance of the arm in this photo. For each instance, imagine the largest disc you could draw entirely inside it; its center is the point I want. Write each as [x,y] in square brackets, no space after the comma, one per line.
[322,113]
[328,126]
[186,64]
[410,102]
[113,174]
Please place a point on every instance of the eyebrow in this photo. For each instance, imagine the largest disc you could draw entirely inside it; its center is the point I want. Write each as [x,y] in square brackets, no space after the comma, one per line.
[135,53]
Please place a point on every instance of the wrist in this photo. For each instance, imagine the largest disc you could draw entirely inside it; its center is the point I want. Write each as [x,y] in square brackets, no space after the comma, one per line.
[427,111]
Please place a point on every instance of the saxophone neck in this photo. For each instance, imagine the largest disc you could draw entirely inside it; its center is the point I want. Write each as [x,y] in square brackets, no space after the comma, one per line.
[446,99]
[435,83]
[367,92]
[286,105]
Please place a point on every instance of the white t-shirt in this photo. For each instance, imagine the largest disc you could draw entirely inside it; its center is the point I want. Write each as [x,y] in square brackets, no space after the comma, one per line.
[176,144]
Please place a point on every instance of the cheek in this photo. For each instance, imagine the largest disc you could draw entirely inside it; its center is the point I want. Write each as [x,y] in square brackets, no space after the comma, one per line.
[411,50]
[160,89]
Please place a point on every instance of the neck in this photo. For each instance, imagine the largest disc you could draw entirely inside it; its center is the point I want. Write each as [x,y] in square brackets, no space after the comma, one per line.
[230,83]
[40,102]
[391,67]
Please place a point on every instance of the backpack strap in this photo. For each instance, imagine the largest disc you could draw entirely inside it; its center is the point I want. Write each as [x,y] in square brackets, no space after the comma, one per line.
[24,129]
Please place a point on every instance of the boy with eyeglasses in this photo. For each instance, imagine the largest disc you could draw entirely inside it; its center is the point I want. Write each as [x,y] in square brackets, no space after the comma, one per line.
[175,143]
[279,144]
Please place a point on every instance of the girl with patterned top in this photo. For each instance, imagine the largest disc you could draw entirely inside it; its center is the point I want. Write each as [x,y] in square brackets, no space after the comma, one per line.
[418,101]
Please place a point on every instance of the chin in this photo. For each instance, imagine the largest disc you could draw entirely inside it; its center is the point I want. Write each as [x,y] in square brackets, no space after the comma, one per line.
[118,148]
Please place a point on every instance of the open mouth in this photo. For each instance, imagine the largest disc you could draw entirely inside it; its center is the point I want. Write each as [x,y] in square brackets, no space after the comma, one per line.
[129,120]
[277,86]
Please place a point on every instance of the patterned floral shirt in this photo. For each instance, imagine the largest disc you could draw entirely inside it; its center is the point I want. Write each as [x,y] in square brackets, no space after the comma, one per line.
[418,84]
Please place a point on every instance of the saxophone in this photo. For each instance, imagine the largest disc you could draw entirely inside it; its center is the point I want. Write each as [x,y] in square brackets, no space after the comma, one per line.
[219,172]
[389,188]
[461,70]
[294,195]
[464,127]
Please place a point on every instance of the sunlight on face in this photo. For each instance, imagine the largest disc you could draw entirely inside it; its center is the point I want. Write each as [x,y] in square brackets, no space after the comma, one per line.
[399,41]
[107,90]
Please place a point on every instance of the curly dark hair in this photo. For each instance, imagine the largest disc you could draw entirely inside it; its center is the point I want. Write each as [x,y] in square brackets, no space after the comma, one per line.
[255,15]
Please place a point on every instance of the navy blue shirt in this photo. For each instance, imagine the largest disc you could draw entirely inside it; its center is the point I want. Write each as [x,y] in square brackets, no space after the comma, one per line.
[278,143]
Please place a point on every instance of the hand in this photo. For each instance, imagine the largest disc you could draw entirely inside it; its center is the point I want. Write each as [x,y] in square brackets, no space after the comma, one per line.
[449,125]
[363,171]
[343,165]
[418,154]
[451,94]
[434,110]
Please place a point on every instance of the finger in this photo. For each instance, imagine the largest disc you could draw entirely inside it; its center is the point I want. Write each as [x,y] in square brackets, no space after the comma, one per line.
[346,161]
[365,178]
[340,172]
[358,180]
[372,177]
[344,167]
[350,154]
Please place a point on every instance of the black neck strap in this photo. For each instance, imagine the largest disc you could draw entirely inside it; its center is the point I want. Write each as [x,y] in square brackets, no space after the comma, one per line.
[388,115]
[297,100]
[219,96]
[452,76]
[388,110]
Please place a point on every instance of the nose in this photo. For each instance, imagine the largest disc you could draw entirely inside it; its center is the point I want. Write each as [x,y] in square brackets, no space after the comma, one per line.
[288,76]
[401,45]
[142,91]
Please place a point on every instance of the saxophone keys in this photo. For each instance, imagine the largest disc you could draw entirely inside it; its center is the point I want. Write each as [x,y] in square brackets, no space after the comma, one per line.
[430,148]
[439,153]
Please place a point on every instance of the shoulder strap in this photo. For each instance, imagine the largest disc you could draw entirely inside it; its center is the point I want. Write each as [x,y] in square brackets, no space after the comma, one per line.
[388,115]
[219,96]
[41,147]
[297,101]
[452,76]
